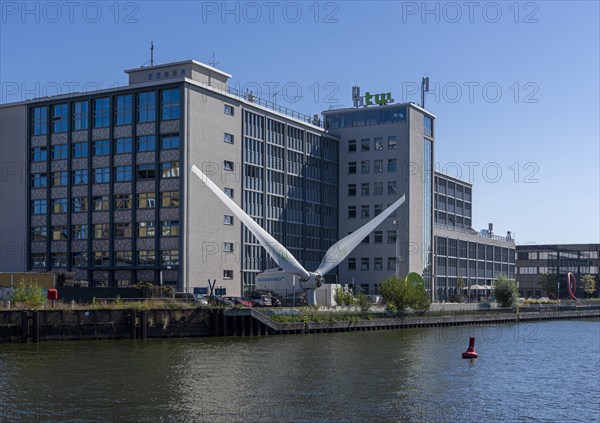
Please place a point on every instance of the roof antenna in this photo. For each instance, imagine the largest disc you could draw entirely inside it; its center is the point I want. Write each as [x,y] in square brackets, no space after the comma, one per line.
[151,53]
[424,89]
[213,63]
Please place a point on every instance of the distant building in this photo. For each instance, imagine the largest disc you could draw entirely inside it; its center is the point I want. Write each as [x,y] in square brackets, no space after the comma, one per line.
[556,260]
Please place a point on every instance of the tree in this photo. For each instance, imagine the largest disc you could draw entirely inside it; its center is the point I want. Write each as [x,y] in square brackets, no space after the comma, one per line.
[506,291]
[589,284]
[29,293]
[401,293]
[343,297]
[548,283]
[460,285]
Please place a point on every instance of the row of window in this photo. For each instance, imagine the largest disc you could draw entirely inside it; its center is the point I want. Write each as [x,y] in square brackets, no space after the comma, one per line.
[101,112]
[365,211]
[365,188]
[102,175]
[459,248]
[370,116]
[102,230]
[102,258]
[365,166]
[102,147]
[365,263]
[145,200]
[535,270]
[378,144]
[553,255]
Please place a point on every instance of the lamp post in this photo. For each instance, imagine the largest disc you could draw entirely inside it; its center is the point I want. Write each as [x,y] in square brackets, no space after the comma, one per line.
[397,223]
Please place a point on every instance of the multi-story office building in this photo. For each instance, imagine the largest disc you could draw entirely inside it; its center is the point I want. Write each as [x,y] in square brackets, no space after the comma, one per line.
[96,183]
[461,252]
[386,151]
[554,262]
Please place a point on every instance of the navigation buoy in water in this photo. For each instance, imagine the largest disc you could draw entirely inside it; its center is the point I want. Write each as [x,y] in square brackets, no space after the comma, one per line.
[470,353]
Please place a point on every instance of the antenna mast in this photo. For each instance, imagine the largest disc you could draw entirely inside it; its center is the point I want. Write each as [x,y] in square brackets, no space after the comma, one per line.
[151,53]
[424,89]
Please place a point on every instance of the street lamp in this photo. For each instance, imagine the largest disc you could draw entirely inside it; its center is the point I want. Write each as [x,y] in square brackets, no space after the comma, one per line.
[397,223]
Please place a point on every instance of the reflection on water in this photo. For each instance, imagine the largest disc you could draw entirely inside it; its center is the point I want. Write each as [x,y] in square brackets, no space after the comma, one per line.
[530,372]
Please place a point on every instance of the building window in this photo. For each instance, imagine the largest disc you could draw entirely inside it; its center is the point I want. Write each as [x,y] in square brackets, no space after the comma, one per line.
[364,189]
[365,144]
[351,146]
[228,192]
[123,201]
[59,233]
[169,228]
[391,263]
[59,259]
[80,149]
[228,110]
[428,126]
[123,173]
[60,152]
[227,165]
[377,263]
[169,170]
[351,264]
[39,233]
[169,257]
[391,236]
[378,237]
[169,199]
[169,141]
[39,180]
[102,148]
[79,259]
[351,190]
[352,168]
[227,220]
[364,263]
[101,175]
[79,204]
[146,200]
[392,165]
[392,188]
[364,211]
[228,138]
[101,231]
[392,142]
[227,274]
[101,112]
[59,205]
[378,143]
[378,166]
[38,260]
[101,258]
[40,120]
[39,206]
[378,208]
[124,110]
[100,203]
[364,166]
[170,104]
[60,118]
[123,258]
[80,231]
[351,212]
[123,145]
[146,229]
[122,230]
[146,143]
[228,247]
[146,171]
[147,107]
[378,188]
[39,154]
[80,115]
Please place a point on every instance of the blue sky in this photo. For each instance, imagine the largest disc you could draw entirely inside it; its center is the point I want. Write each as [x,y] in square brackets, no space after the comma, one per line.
[515,86]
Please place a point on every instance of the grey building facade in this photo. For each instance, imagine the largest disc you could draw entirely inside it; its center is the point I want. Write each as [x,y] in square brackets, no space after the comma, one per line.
[97,183]
[534,262]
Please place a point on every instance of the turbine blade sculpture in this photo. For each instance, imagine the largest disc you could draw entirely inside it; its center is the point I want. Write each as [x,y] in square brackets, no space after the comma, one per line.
[284,259]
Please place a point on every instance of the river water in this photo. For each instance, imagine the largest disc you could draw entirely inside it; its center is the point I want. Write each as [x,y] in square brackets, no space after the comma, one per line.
[533,372]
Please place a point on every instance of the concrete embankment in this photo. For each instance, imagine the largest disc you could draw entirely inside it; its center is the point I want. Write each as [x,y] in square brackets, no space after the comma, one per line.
[55,325]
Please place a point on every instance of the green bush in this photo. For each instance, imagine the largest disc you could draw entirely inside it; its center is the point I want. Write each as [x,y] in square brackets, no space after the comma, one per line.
[505,291]
[28,293]
[401,293]
[342,297]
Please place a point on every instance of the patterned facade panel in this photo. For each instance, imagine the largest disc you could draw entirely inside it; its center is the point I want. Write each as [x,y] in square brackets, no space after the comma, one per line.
[122,131]
[58,139]
[39,141]
[169,155]
[58,246]
[79,246]
[169,126]
[38,167]
[145,244]
[123,275]
[100,134]
[58,219]
[79,218]
[100,245]
[122,188]
[122,216]
[38,247]
[145,186]
[145,275]
[170,275]
[145,215]
[79,136]
[57,165]
[79,191]
[38,194]
[169,214]
[100,275]
[145,129]
[100,217]
[169,184]
[145,157]
[79,164]
[100,189]
[80,274]
[122,245]
[170,243]
[122,159]
[101,161]
[38,220]
[58,192]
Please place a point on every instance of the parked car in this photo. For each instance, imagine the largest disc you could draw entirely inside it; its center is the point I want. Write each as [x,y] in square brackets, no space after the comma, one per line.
[259,300]
[239,301]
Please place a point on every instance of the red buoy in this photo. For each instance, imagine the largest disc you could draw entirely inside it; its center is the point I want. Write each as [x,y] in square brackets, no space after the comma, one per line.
[470,353]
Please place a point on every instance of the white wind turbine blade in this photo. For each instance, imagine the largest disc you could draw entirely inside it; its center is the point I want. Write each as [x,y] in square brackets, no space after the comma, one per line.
[341,249]
[278,252]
